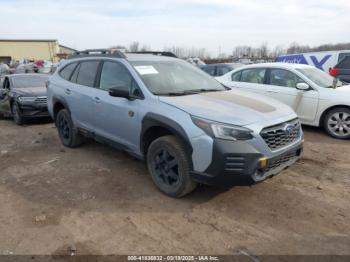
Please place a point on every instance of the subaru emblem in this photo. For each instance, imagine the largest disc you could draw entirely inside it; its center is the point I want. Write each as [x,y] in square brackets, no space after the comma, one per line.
[288,129]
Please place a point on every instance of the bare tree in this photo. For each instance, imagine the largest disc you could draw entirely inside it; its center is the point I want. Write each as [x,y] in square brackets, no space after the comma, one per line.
[134,46]
[295,48]
[277,51]
[145,48]
[264,50]
[186,52]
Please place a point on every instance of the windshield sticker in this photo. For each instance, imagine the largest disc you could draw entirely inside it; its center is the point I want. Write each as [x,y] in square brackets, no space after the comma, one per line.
[146,70]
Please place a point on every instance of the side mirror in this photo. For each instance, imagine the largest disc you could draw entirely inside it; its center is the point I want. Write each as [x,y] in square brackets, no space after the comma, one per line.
[120,91]
[303,86]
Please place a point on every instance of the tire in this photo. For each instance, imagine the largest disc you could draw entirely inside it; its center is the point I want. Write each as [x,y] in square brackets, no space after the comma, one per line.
[17,115]
[66,130]
[337,123]
[169,165]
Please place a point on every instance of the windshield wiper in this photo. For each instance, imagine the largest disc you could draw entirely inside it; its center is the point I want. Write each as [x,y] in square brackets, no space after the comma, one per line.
[188,92]
[171,94]
[196,91]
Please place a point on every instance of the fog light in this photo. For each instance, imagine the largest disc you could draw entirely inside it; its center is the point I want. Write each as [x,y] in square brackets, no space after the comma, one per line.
[263,162]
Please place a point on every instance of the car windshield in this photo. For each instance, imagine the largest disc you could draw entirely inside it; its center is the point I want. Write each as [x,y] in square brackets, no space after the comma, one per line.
[175,78]
[319,77]
[25,81]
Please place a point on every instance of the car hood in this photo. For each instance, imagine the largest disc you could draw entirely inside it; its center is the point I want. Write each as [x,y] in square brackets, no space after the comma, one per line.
[30,91]
[341,93]
[234,107]
[344,89]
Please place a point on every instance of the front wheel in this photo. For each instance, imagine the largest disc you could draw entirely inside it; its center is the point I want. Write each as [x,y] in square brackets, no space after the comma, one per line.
[169,165]
[66,131]
[337,123]
[17,115]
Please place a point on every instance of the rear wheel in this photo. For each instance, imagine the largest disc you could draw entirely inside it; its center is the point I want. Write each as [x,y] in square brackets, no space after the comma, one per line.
[17,115]
[337,123]
[69,136]
[169,165]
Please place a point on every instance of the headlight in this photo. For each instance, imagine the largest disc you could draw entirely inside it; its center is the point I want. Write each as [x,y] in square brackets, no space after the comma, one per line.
[222,131]
[26,99]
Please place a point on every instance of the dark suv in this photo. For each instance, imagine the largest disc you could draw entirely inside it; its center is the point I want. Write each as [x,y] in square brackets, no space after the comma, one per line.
[23,96]
[342,70]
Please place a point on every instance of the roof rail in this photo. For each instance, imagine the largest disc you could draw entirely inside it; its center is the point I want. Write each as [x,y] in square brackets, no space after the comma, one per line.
[97,52]
[159,53]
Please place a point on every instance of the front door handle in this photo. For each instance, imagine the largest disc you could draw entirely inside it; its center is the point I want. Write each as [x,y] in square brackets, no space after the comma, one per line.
[272,91]
[68,91]
[97,100]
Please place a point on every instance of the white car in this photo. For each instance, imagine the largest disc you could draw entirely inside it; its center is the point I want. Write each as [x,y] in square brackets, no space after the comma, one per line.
[317,98]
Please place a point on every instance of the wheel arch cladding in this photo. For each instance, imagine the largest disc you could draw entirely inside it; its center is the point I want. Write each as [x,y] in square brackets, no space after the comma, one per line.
[155,126]
[325,112]
[58,104]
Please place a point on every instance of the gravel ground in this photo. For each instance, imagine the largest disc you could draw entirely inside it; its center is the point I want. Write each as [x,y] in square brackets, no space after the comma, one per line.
[97,200]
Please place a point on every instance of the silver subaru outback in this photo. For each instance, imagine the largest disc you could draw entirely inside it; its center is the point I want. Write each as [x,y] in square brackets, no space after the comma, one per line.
[188,127]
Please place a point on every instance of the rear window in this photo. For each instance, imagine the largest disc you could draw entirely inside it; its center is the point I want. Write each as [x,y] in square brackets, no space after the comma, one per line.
[221,70]
[87,73]
[209,69]
[26,81]
[66,72]
[342,56]
[344,64]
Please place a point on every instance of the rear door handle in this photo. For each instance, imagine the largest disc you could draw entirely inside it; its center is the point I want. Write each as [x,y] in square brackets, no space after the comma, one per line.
[272,91]
[68,91]
[97,100]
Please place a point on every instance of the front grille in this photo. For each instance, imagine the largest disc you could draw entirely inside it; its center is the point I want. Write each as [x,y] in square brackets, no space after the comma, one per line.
[234,163]
[281,135]
[281,160]
[41,99]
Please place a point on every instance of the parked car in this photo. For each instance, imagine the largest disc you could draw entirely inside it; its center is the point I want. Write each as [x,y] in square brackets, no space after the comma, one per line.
[322,60]
[187,126]
[342,70]
[220,69]
[23,96]
[196,61]
[318,98]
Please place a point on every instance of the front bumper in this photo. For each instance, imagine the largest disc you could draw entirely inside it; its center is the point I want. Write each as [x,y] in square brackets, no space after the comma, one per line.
[238,162]
[33,110]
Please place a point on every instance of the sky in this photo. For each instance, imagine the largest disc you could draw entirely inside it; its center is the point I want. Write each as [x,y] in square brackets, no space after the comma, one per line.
[212,24]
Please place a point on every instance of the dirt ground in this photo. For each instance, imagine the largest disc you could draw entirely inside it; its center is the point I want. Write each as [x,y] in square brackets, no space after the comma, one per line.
[97,200]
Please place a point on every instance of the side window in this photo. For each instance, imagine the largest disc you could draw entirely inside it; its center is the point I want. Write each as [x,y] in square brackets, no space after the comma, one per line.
[209,69]
[87,73]
[114,74]
[236,76]
[255,75]
[67,71]
[281,77]
[345,63]
[74,77]
[342,56]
